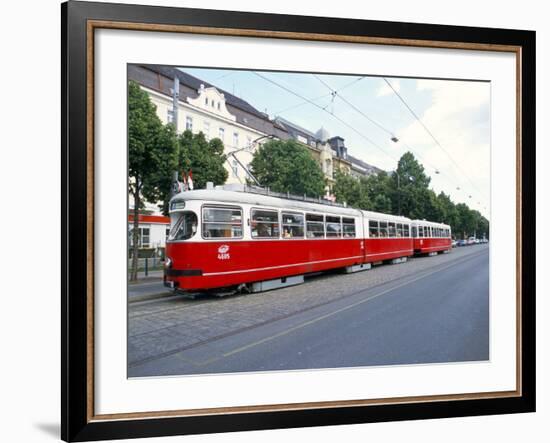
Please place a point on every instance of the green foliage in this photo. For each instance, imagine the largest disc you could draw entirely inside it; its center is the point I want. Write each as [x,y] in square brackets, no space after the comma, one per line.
[205,158]
[287,166]
[151,146]
[152,153]
[406,192]
[351,191]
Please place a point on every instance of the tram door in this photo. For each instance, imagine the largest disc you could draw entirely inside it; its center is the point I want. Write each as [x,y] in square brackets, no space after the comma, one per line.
[363,242]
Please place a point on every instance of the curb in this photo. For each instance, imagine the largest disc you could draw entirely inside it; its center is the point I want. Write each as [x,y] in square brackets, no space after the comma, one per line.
[146,297]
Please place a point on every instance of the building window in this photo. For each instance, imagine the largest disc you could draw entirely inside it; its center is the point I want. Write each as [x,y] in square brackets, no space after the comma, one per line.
[206,129]
[221,134]
[248,142]
[206,101]
[170,116]
[219,107]
[189,123]
[264,224]
[236,139]
[222,222]
[144,239]
[235,168]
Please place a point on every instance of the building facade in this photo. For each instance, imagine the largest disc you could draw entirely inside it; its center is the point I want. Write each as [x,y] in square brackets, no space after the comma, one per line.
[203,107]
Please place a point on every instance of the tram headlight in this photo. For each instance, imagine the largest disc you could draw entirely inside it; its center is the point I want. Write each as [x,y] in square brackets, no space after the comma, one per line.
[168,262]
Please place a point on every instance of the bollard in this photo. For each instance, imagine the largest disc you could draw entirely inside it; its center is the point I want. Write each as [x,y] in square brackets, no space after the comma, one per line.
[146,267]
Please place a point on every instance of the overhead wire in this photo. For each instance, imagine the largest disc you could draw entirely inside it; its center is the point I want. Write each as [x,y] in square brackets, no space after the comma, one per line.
[432,135]
[384,129]
[290,91]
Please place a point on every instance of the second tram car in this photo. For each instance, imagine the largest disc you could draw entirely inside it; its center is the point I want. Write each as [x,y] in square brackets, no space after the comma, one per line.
[221,238]
[431,238]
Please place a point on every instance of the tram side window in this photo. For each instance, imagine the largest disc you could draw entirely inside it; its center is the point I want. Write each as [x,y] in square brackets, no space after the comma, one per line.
[383,229]
[348,225]
[333,226]
[373,229]
[185,227]
[414,232]
[406,230]
[391,229]
[264,224]
[399,229]
[293,225]
[421,231]
[315,226]
[219,222]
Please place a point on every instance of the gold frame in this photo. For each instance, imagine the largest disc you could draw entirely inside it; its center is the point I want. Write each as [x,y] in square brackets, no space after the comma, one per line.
[92,25]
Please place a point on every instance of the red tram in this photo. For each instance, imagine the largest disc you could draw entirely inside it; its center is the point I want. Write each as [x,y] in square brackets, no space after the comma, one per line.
[223,238]
[431,238]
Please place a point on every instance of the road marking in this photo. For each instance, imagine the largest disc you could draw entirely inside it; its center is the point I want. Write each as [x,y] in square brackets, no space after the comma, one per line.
[330,314]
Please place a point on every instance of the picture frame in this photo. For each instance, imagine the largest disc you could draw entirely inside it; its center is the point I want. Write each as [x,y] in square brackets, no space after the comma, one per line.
[80,22]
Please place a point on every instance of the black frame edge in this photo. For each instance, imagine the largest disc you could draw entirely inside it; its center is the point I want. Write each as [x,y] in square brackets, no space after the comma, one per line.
[74,424]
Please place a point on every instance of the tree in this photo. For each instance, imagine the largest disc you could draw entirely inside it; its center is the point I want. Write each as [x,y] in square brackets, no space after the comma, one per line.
[205,158]
[410,196]
[152,154]
[194,153]
[378,188]
[350,190]
[287,166]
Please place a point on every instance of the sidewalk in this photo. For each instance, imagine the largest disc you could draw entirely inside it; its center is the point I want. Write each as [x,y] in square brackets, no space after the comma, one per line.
[151,275]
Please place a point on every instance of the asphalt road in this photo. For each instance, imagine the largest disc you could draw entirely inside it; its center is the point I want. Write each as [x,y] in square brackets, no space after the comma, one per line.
[433,311]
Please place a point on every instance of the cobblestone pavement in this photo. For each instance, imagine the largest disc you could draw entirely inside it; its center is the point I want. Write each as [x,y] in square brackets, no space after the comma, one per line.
[160,328]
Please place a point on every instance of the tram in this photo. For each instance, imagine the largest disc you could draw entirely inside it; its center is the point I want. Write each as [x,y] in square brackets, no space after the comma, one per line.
[230,237]
[431,238]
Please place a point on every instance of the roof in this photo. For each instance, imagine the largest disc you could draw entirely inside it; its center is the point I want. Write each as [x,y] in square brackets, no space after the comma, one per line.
[429,223]
[362,164]
[295,130]
[238,197]
[195,83]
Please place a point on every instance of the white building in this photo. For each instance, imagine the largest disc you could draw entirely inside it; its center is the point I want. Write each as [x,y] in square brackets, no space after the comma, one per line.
[204,108]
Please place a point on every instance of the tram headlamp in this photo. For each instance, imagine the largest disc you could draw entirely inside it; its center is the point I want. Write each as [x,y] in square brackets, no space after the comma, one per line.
[177,204]
[168,262]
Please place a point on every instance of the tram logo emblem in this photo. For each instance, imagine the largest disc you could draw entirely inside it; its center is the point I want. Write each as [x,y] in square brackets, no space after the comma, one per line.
[223,252]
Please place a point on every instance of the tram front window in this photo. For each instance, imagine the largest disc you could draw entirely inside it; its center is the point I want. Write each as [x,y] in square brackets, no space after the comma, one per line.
[185,227]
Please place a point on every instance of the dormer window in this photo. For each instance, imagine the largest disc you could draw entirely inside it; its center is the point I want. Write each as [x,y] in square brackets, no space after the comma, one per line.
[219,107]
[206,101]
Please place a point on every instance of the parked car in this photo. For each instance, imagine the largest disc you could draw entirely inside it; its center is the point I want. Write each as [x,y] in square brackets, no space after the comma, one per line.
[453,243]
[461,243]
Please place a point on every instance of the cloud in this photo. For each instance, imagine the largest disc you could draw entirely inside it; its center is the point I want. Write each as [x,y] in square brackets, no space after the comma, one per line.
[386,90]
[459,118]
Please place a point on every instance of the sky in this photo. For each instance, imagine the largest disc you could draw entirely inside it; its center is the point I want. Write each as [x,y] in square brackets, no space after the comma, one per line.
[366,112]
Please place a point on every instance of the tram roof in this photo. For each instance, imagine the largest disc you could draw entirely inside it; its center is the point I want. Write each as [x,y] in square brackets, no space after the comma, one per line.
[429,223]
[240,197]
